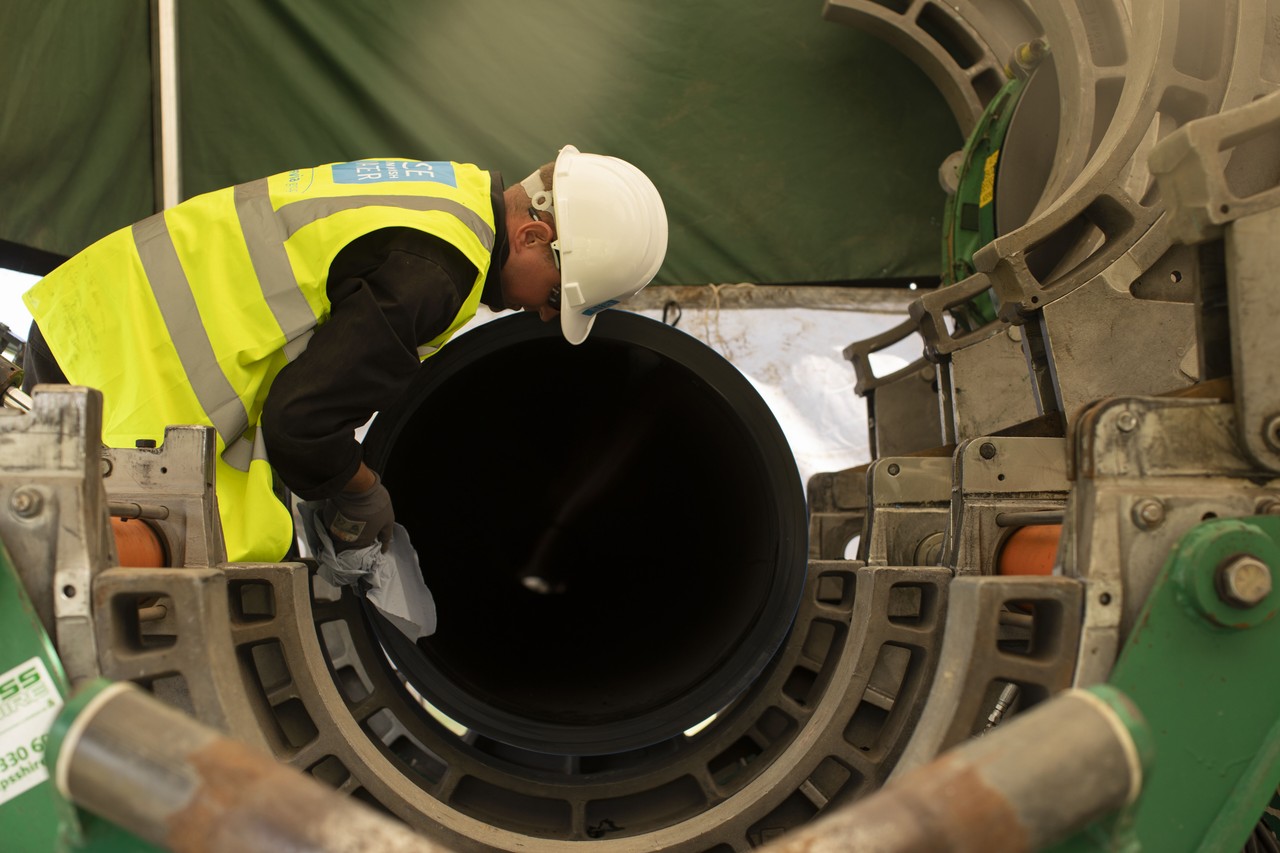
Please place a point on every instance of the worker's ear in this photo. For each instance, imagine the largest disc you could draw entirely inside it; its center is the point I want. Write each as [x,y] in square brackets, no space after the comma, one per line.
[530,233]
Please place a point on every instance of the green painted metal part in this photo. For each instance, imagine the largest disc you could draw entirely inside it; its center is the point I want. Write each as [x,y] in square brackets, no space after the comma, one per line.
[1210,689]
[40,820]
[36,819]
[969,217]
[1202,672]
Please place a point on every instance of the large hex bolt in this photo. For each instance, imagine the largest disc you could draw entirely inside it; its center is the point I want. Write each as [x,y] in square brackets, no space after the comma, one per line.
[1244,581]
[26,502]
[1271,432]
[1148,513]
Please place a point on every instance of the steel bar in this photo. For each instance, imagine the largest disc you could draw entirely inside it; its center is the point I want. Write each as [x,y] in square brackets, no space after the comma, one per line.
[129,509]
[1022,519]
[871,300]
[1030,782]
[167,166]
[15,398]
[127,757]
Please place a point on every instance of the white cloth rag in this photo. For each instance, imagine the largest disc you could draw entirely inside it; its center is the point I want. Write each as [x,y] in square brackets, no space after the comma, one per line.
[392,581]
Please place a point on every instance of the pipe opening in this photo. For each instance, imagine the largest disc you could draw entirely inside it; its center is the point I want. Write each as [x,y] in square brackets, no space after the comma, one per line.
[614,533]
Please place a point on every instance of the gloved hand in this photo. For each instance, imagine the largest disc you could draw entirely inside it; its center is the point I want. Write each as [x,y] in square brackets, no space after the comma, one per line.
[358,519]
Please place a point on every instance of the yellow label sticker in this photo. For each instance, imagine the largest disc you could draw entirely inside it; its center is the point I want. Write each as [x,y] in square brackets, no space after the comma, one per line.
[988,193]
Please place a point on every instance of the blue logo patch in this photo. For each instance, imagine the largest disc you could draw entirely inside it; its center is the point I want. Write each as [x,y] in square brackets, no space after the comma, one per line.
[596,309]
[387,171]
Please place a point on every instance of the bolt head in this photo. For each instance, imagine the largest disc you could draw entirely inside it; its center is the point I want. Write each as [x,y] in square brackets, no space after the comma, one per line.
[987,450]
[26,502]
[1268,506]
[1271,432]
[1148,513]
[1127,421]
[1244,581]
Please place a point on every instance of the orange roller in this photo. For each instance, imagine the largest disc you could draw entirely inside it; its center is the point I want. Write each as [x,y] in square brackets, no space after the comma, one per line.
[1030,550]
[138,544]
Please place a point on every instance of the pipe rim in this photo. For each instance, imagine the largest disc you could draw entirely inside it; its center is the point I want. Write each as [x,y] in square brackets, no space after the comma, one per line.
[774,616]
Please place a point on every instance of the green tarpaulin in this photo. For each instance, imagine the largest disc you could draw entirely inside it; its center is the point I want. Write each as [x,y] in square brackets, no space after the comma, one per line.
[788,149]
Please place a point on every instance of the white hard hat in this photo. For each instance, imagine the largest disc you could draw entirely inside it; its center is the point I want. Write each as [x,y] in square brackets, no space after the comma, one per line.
[611,233]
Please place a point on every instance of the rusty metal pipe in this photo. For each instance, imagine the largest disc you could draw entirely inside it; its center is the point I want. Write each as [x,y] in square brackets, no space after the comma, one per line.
[129,758]
[1029,783]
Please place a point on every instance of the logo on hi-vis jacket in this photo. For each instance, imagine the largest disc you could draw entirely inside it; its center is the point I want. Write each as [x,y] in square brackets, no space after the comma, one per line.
[387,171]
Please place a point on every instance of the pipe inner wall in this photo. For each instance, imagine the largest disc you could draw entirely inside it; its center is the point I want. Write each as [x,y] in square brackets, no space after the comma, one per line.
[614,533]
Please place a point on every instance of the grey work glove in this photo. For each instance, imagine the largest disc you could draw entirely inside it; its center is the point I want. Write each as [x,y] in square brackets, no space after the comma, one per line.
[357,520]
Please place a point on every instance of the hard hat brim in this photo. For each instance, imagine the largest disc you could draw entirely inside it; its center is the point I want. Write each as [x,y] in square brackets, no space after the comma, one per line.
[575,326]
[611,235]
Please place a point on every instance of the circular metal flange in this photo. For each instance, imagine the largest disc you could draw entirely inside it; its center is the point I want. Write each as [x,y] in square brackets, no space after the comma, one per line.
[822,725]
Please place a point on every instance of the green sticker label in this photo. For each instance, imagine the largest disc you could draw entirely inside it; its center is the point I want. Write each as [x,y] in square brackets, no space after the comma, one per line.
[29,702]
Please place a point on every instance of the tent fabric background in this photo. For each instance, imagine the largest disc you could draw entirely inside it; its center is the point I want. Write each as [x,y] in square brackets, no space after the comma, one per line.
[787,149]
[75,121]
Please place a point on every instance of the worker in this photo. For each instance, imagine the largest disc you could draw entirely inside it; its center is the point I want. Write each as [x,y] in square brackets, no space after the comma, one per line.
[286,311]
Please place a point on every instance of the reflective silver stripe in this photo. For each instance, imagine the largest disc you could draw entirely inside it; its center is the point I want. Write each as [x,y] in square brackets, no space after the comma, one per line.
[299,214]
[263,236]
[182,319]
[294,348]
[243,451]
[265,232]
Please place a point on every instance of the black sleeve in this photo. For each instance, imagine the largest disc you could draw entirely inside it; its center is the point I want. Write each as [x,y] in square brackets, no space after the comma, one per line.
[389,291]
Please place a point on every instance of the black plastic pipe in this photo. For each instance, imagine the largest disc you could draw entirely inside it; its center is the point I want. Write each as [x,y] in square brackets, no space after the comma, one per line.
[614,533]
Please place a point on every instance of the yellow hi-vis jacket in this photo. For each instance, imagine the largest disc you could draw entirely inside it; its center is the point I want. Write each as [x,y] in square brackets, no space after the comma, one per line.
[187,316]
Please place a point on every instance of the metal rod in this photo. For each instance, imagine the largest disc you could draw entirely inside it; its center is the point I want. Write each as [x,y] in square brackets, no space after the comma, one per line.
[15,398]
[1032,781]
[128,509]
[126,756]
[164,74]
[1029,519]
[871,300]
[1017,620]
[152,613]
[1008,695]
